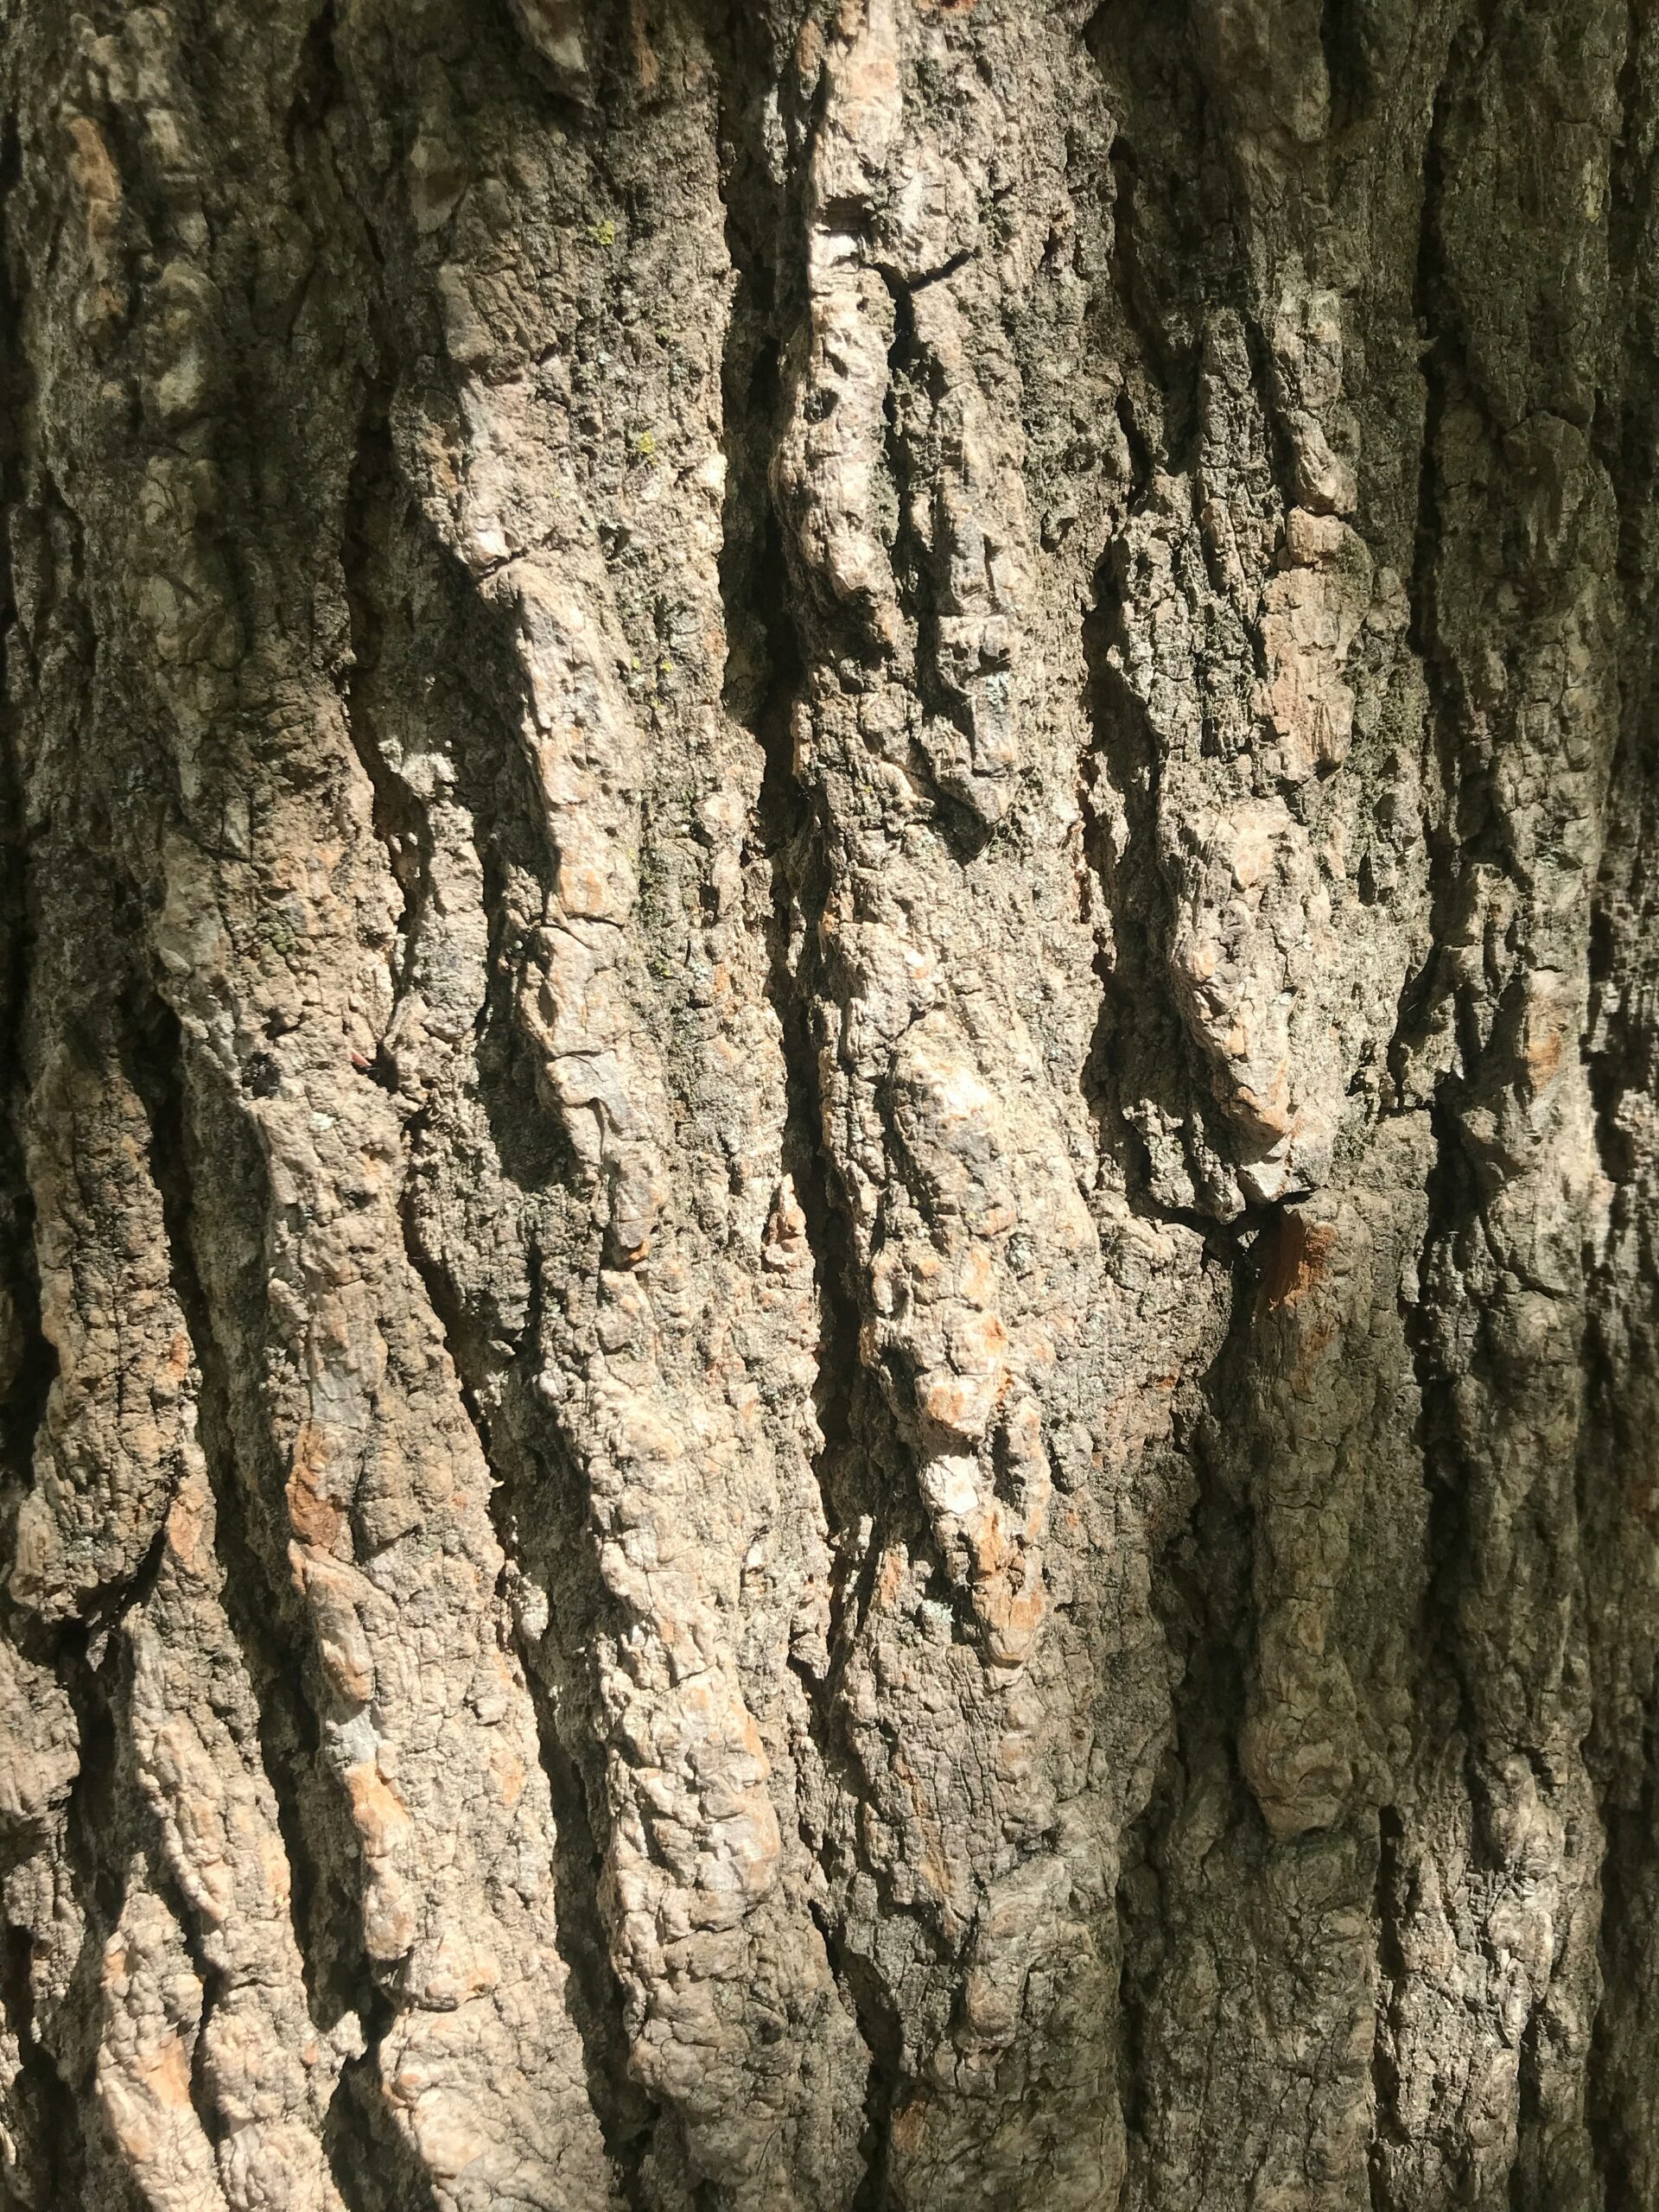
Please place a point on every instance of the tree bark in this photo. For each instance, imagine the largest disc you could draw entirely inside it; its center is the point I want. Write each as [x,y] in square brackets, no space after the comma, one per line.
[828,1375]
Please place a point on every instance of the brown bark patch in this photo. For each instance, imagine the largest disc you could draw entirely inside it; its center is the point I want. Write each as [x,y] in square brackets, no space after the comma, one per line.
[1296,1256]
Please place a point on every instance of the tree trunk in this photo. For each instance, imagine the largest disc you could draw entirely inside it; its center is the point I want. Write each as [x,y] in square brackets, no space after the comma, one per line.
[830,1019]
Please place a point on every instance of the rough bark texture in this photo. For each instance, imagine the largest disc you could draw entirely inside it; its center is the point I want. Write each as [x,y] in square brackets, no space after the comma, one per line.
[829,1172]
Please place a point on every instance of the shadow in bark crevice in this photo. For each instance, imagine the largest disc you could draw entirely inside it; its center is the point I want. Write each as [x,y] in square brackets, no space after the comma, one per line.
[865,1466]
[543,1536]
[1622,1058]
[1199,1576]
[188,1131]
[492,1320]
[1141,1066]
[28,1361]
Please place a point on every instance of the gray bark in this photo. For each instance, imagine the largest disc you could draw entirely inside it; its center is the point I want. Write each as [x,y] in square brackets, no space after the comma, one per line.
[828,1154]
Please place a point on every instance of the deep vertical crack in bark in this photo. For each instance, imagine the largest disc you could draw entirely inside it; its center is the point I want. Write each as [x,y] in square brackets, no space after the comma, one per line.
[374,544]
[365,2159]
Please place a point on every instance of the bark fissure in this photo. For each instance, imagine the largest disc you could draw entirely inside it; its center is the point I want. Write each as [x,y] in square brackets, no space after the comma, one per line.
[1391,1975]
[28,1361]
[488,1371]
[767,691]
[47,2103]
[598,2003]
[270,1639]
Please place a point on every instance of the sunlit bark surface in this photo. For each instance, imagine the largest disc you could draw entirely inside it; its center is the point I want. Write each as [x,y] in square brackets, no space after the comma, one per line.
[828,993]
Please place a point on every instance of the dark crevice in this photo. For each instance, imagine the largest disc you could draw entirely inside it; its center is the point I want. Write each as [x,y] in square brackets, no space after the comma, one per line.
[52,2097]
[213,1982]
[105,1822]
[318,90]
[842,1391]
[400,821]
[1170,212]
[105,1826]
[1463,1657]
[1624,424]
[28,1360]
[100,1834]
[1453,1201]
[1173,372]
[262,1610]
[394,560]
[898,281]
[523,1484]
[534,1503]
[1448,1474]
[1388,2126]
[1349,64]
[1131,888]
[1523,2192]
[1142,460]
[1629,1931]
[880,2029]
[1141,1063]
[1135,1927]
[756,608]
[46,2104]
[1615,1495]
[1267,384]
[536,1509]
[863,1467]
[373,2167]
[865,1464]
[1423,993]
[915,392]
[1199,1573]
